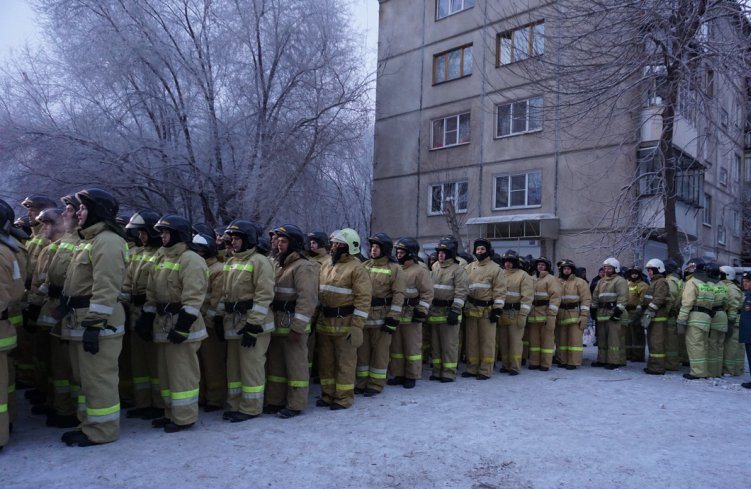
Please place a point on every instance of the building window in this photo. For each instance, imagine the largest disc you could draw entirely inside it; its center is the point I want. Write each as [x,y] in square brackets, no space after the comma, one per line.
[519,117]
[453,192]
[721,234]
[707,209]
[737,168]
[450,131]
[520,44]
[444,8]
[452,64]
[723,177]
[736,223]
[523,190]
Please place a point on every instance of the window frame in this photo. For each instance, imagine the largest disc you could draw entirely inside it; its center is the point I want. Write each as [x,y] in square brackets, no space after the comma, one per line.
[736,227]
[458,132]
[722,178]
[445,55]
[449,14]
[531,43]
[442,185]
[707,205]
[721,235]
[509,190]
[511,105]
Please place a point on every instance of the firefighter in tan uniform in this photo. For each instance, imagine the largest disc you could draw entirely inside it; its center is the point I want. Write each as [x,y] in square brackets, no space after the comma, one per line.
[12,279]
[609,309]
[405,366]
[518,305]
[542,319]
[94,320]
[248,321]
[212,355]
[485,301]
[653,316]
[144,364]
[634,333]
[697,301]
[345,292]
[734,352]
[295,301]
[449,296]
[573,312]
[387,280]
[719,325]
[675,344]
[318,252]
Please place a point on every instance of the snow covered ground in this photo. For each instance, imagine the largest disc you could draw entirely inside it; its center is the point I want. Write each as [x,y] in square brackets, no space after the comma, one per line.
[588,428]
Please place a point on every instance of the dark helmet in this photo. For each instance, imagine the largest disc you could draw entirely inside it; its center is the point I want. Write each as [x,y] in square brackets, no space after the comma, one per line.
[146,220]
[512,256]
[581,272]
[697,262]
[542,259]
[247,230]
[671,266]
[410,246]
[122,219]
[319,237]
[71,200]
[179,227]
[383,240]
[482,242]
[634,269]
[448,246]
[38,202]
[100,204]
[454,243]
[206,244]
[264,245]
[567,263]
[23,223]
[50,214]
[713,270]
[7,217]
[203,228]
[294,234]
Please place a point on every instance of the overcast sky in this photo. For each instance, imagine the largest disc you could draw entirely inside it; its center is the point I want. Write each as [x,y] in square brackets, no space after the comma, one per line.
[17,25]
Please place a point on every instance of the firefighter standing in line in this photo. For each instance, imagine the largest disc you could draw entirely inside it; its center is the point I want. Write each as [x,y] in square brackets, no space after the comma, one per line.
[695,316]
[12,279]
[345,292]
[387,279]
[542,319]
[248,321]
[212,355]
[609,305]
[144,364]
[674,343]
[719,325]
[449,296]
[573,313]
[318,252]
[634,333]
[653,316]
[406,345]
[485,301]
[295,301]
[94,320]
[518,304]
[734,352]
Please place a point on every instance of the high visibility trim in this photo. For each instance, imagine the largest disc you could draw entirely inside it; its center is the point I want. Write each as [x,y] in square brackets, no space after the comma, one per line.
[425,304]
[345,387]
[10,341]
[537,319]
[328,381]
[565,322]
[100,308]
[515,357]
[541,294]
[450,365]
[414,358]
[298,384]
[443,287]
[285,290]
[377,373]
[168,265]
[397,356]
[3,408]
[302,317]
[335,290]
[385,271]
[535,349]
[360,313]
[657,355]
[362,374]
[553,308]
[103,415]
[459,302]
[260,309]
[435,361]
[526,307]
[499,301]
[546,350]
[396,308]
[584,308]
[410,290]
[253,391]
[374,322]
[243,267]
[276,379]
[192,311]
[575,348]
[437,319]
[513,293]
[487,360]
[571,297]
[479,285]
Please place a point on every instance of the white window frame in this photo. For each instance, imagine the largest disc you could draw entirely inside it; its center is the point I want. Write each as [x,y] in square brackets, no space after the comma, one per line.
[444,199]
[508,53]
[721,235]
[527,205]
[452,7]
[445,120]
[513,107]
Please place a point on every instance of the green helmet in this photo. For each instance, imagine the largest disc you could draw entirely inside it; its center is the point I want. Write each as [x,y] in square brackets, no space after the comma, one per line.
[349,237]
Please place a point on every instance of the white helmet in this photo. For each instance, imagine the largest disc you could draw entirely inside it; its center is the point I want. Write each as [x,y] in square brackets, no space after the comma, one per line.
[612,262]
[729,272]
[656,263]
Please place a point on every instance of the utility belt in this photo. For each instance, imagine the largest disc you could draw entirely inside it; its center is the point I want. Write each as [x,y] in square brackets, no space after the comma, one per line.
[479,303]
[75,302]
[337,312]
[4,315]
[283,306]
[705,310]
[240,307]
[380,301]
[138,299]
[569,305]
[540,303]
[607,305]
[442,302]
[718,308]
[412,302]
[54,291]
[168,308]
[516,306]
[630,307]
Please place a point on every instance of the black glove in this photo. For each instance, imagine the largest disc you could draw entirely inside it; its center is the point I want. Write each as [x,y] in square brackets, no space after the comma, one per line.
[593,313]
[452,318]
[389,325]
[145,326]
[219,327]
[32,311]
[617,313]
[418,316]
[495,314]
[250,334]
[179,333]
[635,320]
[92,328]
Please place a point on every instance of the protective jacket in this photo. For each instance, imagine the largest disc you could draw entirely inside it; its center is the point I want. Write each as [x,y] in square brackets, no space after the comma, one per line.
[520,291]
[214,292]
[697,301]
[486,287]
[388,283]
[720,307]
[295,294]
[13,268]
[636,291]
[248,292]
[345,294]
[53,285]
[576,300]
[449,290]
[547,298]
[657,299]
[418,290]
[735,300]
[610,294]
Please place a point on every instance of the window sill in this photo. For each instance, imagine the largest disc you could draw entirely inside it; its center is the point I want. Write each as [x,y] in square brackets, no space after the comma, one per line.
[496,137]
[435,83]
[503,65]
[438,19]
[442,214]
[517,207]
[706,225]
[450,146]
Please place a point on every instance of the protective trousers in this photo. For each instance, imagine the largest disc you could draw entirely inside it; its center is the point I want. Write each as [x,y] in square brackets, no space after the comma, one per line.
[41,357]
[4,383]
[445,346]
[634,342]
[373,359]
[288,372]
[656,341]
[541,342]
[179,376]
[62,401]
[24,358]
[427,336]
[337,359]
[12,406]
[144,366]
[560,342]
[125,385]
[672,348]
[570,341]
[715,348]
[610,342]
[697,347]
[510,333]
[213,360]
[98,397]
[246,375]
[734,353]
[526,342]
[406,351]
[480,345]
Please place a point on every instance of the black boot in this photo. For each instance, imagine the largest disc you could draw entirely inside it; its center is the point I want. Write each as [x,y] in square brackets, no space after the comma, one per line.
[691,377]
[482,377]
[598,364]
[544,369]
[371,392]
[271,409]
[652,372]
[467,374]
[570,367]
[239,417]
[409,383]
[174,428]
[534,367]
[395,381]
[434,377]
[322,403]
[78,439]
[160,422]
[446,380]
[337,407]
[285,413]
